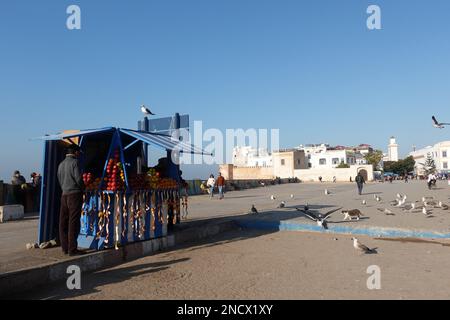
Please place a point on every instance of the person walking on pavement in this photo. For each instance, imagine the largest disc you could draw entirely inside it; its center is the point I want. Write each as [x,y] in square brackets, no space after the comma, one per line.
[71,182]
[220,185]
[360,182]
[431,180]
[210,184]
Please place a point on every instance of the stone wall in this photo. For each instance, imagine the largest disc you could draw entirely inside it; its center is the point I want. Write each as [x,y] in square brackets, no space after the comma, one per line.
[327,174]
[230,172]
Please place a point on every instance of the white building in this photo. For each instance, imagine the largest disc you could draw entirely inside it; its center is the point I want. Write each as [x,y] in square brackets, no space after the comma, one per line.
[251,157]
[440,152]
[330,158]
[324,156]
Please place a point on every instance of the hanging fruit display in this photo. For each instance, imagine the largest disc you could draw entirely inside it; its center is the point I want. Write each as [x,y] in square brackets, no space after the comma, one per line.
[115,175]
[91,184]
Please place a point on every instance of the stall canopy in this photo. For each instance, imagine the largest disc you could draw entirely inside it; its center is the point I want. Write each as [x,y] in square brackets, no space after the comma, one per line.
[159,140]
[163,141]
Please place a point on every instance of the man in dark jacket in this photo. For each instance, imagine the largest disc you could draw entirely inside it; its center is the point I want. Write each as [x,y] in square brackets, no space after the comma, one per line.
[71,182]
[18,179]
[360,182]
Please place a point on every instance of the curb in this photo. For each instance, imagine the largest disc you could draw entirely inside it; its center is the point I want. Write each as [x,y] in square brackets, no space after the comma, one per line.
[27,279]
[365,230]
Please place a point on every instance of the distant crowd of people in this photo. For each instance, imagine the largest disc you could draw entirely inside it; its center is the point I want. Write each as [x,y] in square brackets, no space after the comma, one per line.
[20,187]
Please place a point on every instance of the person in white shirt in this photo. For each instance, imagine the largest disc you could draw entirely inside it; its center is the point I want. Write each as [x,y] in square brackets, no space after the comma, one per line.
[431,180]
[210,184]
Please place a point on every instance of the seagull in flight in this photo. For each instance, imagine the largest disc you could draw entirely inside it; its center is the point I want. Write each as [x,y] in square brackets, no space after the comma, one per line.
[364,249]
[320,219]
[146,111]
[437,124]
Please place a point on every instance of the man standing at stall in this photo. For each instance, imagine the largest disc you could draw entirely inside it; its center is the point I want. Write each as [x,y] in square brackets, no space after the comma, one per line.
[71,182]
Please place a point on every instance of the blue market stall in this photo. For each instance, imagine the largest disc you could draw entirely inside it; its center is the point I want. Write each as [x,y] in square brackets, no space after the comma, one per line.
[124,200]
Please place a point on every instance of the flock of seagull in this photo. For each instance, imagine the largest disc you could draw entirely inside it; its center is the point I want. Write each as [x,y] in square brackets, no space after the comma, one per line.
[426,205]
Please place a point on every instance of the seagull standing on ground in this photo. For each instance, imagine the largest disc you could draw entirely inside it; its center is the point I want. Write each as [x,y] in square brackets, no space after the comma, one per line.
[364,202]
[386,211]
[362,248]
[425,211]
[327,192]
[410,207]
[305,208]
[437,124]
[282,205]
[253,209]
[146,111]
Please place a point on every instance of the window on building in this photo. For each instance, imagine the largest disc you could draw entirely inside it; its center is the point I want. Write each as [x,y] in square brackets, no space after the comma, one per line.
[298,161]
[283,162]
[444,154]
[309,165]
[335,160]
[444,165]
[322,161]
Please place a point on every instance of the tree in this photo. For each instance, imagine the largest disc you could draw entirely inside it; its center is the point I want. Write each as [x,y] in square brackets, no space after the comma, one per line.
[374,158]
[343,166]
[429,166]
[400,167]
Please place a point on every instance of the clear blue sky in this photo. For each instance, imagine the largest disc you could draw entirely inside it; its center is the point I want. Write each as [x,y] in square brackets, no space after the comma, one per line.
[309,68]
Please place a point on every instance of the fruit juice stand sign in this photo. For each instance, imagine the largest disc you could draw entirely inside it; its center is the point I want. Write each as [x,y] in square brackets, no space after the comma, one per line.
[120,204]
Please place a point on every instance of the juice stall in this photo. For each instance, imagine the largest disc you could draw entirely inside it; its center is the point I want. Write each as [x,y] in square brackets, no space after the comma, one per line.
[124,200]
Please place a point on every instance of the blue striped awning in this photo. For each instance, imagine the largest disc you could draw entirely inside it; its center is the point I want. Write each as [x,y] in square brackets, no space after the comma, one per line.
[164,141]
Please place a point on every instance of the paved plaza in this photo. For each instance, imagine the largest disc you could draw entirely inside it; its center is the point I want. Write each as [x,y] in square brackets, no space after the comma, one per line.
[266,264]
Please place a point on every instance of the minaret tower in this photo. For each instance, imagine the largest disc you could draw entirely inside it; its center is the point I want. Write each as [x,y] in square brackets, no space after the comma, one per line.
[393,150]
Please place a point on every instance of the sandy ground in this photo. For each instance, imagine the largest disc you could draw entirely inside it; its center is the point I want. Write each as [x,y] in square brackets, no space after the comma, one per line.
[249,264]
[15,235]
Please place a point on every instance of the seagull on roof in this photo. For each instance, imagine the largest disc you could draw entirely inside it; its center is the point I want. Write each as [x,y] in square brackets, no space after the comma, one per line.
[437,124]
[146,111]
[362,248]
[321,220]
